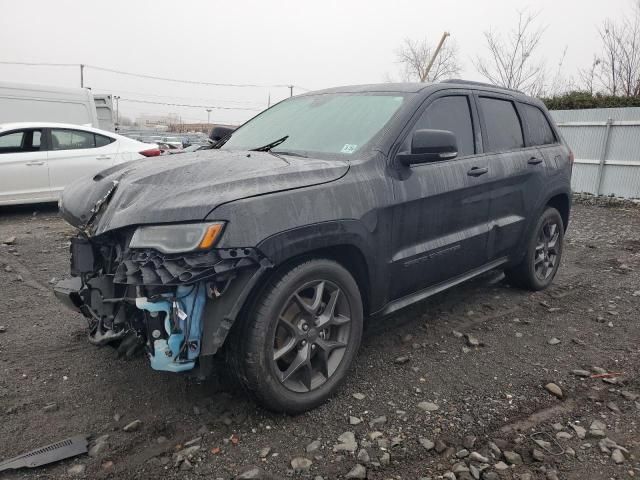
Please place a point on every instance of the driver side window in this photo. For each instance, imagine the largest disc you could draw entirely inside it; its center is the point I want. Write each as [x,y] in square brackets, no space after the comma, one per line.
[451,113]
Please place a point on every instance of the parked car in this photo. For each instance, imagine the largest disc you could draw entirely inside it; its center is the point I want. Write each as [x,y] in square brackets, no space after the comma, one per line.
[272,250]
[37,160]
[168,148]
[175,142]
[190,148]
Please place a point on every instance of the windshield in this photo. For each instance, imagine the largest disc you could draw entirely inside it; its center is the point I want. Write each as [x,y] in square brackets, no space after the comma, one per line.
[336,123]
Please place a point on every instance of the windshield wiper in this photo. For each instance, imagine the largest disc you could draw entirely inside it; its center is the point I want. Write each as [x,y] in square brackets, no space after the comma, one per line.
[291,154]
[269,146]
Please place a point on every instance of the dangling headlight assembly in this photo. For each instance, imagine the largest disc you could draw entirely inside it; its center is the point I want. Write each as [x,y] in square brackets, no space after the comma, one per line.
[177,238]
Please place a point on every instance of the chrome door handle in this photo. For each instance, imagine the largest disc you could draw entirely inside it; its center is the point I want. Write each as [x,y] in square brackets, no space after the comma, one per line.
[103,157]
[534,161]
[477,171]
[33,164]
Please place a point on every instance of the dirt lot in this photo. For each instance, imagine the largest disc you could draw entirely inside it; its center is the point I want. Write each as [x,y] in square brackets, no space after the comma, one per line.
[53,384]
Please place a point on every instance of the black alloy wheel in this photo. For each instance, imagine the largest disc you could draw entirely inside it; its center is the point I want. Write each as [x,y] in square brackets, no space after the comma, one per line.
[543,253]
[311,336]
[545,260]
[299,337]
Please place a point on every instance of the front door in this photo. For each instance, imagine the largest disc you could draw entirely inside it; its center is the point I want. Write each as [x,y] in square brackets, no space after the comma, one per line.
[24,172]
[440,221]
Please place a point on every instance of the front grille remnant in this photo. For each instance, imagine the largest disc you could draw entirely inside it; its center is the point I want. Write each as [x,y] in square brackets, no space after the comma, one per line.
[150,267]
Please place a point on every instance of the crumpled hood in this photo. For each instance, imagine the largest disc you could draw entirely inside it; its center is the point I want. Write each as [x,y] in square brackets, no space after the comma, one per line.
[185,187]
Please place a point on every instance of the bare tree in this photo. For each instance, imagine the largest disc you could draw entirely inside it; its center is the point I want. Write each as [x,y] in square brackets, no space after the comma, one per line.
[125,121]
[617,69]
[629,49]
[511,62]
[609,65]
[588,76]
[414,57]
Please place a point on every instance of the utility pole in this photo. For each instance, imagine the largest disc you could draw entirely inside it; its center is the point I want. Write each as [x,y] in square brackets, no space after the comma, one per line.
[291,90]
[117,98]
[435,54]
[81,75]
[208,112]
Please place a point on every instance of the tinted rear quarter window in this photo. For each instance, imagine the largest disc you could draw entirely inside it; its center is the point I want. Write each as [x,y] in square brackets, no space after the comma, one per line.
[102,140]
[538,128]
[502,124]
[449,113]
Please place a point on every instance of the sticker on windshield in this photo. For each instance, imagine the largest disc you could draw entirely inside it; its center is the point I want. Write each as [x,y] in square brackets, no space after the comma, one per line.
[349,148]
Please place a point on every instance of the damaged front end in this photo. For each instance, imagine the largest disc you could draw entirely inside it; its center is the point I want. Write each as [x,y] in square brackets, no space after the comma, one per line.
[177,306]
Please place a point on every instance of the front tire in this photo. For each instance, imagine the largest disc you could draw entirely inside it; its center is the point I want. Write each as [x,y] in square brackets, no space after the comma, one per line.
[543,255]
[301,336]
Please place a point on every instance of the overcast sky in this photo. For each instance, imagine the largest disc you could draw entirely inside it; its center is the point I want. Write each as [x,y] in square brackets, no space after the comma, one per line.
[312,44]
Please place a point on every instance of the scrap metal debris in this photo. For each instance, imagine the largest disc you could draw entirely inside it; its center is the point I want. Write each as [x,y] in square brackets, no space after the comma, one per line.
[546,445]
[55,452]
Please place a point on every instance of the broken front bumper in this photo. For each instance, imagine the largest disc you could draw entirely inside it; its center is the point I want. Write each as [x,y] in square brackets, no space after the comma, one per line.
[179,306]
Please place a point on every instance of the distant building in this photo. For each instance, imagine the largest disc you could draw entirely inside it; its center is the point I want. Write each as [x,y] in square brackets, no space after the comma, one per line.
[158,122]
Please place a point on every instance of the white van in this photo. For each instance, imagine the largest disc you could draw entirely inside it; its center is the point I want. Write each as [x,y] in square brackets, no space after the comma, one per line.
[104,109]
[39,103]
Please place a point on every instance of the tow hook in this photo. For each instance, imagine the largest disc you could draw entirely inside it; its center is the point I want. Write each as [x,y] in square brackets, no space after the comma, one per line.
[176,343]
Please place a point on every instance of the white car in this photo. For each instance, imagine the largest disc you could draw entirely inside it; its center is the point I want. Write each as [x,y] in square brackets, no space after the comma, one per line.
[37,160]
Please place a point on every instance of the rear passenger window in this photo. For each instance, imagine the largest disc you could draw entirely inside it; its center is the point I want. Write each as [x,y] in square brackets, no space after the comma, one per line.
[502,125]
[540,132]
[71,139]
[450,113]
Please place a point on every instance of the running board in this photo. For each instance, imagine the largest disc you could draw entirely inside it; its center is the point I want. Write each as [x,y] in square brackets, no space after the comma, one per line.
[429,291]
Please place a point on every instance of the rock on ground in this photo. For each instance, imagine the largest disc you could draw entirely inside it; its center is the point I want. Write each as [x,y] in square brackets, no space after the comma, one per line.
[357,472]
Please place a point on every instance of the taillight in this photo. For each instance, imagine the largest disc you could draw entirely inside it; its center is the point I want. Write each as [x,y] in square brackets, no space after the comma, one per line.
[571,158]
[152,152]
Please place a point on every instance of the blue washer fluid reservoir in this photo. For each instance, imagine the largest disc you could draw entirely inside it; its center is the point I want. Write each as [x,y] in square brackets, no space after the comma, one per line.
[187,307]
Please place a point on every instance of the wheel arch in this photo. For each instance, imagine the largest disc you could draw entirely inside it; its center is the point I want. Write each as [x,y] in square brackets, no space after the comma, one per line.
[560,200]
[562,203]
[344,242]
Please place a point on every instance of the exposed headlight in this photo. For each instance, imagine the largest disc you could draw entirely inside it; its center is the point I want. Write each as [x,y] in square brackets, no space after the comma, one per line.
[177,238]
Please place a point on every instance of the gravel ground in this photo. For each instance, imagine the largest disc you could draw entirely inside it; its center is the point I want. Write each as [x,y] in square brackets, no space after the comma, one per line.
[451,388]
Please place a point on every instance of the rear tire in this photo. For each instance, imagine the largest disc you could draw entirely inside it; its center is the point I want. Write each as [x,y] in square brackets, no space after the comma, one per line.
[300,337]
[543,255]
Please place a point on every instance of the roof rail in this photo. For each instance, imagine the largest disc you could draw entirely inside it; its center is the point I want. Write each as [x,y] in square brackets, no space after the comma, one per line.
[479,84]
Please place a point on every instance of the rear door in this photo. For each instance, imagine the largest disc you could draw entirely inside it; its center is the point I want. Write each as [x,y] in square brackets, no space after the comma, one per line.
[78,153]
[24,173]
[540,134]
[518,172]
[440,221]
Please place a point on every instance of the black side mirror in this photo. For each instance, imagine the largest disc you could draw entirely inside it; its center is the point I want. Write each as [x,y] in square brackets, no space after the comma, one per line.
[218,133]
[430,146]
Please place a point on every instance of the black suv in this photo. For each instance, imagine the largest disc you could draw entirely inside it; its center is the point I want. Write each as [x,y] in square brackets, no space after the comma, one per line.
[271,250]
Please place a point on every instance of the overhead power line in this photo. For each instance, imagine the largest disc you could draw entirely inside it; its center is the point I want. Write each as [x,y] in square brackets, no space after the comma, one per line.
[190,82]
[190,105]
[41,64]
[152,77]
